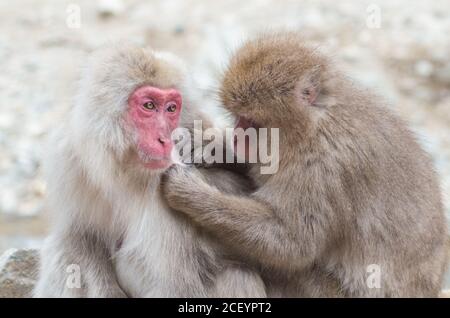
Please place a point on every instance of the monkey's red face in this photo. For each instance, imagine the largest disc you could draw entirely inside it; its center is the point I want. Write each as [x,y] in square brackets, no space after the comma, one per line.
[154,113]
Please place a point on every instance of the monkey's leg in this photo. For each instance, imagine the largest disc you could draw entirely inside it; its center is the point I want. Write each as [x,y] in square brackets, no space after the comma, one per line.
[77,265]
[239,282]
[315,283]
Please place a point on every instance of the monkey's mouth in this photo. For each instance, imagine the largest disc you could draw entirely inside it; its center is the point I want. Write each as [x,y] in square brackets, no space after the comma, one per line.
[158,164]
[151,162]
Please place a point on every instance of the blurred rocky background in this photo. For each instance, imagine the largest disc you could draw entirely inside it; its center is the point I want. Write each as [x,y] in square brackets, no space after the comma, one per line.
[399,48]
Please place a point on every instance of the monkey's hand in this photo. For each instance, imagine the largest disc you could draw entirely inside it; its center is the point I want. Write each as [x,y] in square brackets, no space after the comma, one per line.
[184,186]
[244,223]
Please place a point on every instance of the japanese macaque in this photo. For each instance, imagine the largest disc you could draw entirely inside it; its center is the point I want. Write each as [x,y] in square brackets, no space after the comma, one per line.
[113,235]
[355,208]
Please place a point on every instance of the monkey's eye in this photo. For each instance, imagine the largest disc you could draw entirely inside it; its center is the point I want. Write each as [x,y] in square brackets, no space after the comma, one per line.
[149,105]
[172,108]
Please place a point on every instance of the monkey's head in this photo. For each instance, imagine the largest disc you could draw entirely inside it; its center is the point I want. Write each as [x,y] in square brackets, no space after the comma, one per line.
[131,104]
[153,113]
[272,81]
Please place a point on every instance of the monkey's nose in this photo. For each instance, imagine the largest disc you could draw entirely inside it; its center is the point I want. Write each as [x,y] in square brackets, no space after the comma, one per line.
[162,140]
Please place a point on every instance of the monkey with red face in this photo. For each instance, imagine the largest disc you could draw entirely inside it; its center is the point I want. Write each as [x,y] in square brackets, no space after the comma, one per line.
[113,235]
[154,113]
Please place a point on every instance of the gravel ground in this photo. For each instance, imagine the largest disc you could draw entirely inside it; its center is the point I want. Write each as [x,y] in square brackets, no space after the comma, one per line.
[405,57]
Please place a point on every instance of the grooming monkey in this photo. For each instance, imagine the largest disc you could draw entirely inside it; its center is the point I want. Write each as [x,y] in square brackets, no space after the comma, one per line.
[354,195]
[111,225]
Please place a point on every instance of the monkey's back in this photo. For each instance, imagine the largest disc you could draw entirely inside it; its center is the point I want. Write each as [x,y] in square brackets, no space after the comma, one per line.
[394,206]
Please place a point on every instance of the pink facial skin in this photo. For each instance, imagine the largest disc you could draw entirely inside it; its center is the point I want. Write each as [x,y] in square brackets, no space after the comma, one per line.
[154,126]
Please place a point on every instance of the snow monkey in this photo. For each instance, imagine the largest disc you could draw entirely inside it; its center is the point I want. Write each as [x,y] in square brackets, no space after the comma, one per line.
[355,208]
[113,235]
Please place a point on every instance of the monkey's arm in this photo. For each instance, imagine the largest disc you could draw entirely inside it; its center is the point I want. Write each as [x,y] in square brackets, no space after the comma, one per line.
[227,181]
[76,258]
[77,263]
[252,228]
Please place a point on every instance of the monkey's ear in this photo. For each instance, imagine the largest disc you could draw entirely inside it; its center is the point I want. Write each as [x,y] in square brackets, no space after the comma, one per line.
[308,87]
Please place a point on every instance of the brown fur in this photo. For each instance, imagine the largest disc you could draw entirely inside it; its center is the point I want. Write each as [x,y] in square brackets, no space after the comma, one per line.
[353,188]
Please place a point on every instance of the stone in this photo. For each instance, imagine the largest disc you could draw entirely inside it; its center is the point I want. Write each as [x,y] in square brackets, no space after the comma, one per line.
[18,272]
[445,293]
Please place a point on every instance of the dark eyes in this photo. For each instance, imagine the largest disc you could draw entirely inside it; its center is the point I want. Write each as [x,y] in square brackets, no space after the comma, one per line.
[149,105]
[172,108]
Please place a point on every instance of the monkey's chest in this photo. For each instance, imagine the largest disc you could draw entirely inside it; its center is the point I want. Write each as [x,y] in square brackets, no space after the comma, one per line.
[159,257]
